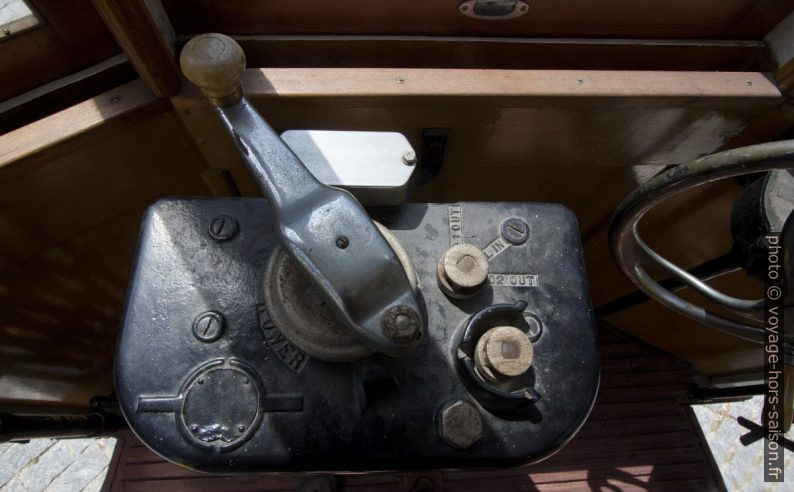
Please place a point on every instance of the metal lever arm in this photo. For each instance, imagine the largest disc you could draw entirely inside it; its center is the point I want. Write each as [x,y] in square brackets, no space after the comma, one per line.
[325,229]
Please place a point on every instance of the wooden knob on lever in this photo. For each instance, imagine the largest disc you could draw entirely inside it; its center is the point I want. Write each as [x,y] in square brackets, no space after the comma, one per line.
[214,63]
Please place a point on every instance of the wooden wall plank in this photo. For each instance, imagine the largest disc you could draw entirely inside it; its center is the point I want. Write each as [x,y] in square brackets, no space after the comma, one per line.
[72,39]
[64,92]
[505,53]
[69,221]
[673,19]
[781,44]
[781,40]
[522,88]
[65,125]
[785,78]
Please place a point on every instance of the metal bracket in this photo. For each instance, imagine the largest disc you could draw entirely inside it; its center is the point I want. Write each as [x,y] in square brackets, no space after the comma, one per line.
[493,9]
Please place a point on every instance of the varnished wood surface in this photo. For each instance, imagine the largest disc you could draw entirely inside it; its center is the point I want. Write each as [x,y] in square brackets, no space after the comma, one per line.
[64,92]
[37,137]
[505,118]
[135,29]
[504,53]
[519,87]
[785,78]
[639,436]
[73,188]
[673,19]
[72,38]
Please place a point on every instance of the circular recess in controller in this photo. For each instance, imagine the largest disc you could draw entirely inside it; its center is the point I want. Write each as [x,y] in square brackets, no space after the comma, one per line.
[496,353]
[220,405]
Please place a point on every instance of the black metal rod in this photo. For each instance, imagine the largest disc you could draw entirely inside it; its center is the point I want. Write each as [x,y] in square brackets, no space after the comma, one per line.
[711,269]
[25,427]
[703,395]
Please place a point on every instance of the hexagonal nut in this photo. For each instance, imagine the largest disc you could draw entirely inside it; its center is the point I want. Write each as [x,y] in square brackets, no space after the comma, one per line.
[460,424]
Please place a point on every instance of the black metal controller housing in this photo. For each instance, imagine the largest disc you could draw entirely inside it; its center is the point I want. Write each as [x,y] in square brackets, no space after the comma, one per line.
[206,379]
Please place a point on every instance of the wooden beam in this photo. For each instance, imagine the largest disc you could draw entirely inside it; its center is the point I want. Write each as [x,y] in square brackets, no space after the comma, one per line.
[781,44]
[511,88]
[64,92]
[162,21]
[139,35]
[785,77]
[505,53]
[36,139]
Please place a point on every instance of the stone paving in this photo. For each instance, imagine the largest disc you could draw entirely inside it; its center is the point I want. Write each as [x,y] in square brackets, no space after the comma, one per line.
[55,465]
[741,466]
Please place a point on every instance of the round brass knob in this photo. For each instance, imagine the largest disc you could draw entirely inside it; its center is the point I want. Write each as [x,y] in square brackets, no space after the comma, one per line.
[214,63]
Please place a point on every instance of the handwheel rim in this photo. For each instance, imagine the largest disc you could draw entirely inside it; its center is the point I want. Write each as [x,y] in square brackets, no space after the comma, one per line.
[628,249]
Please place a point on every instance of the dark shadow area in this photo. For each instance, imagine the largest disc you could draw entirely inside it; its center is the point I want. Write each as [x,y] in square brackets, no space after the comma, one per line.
[756,433]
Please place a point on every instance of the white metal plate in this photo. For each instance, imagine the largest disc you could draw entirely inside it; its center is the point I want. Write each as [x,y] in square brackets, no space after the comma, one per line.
[368,164]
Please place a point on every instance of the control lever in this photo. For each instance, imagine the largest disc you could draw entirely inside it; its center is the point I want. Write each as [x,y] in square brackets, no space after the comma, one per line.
[325,229]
